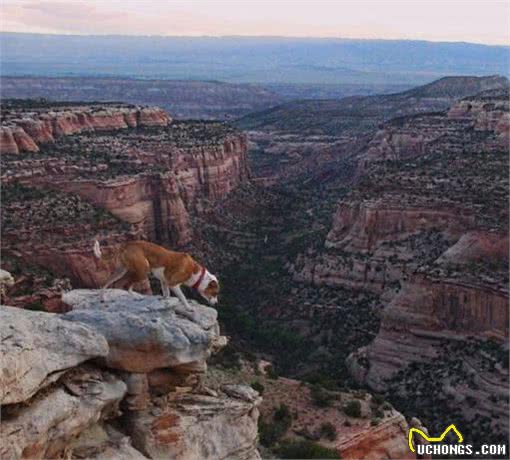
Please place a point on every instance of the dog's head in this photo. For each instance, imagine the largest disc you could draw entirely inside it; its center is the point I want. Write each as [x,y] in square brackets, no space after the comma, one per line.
[211,289]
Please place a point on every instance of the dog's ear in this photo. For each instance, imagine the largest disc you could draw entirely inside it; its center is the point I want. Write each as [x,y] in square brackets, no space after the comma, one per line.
[213,283]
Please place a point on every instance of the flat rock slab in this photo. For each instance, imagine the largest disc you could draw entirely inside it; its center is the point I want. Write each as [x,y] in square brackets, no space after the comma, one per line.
[37,347]
[147,332]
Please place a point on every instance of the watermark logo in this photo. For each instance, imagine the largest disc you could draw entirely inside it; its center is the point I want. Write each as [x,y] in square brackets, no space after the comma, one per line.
[432,439]
[436,447]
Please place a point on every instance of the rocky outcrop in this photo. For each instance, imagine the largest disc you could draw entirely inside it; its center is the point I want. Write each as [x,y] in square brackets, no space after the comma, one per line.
[46,426]
[485,112]
[415,231]
[427,310]
[32,129]
[130,326]
[377,431]
[160,204]
[372,244]
[410,137]
[194,427]
[386,440]
[38,348]
[57,405]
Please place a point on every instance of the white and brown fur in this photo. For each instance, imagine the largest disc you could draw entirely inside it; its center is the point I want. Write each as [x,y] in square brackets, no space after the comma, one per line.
[137,259]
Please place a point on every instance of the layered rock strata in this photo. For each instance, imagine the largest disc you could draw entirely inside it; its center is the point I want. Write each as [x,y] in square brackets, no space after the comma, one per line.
[93,393]
[153,176]
[25,131]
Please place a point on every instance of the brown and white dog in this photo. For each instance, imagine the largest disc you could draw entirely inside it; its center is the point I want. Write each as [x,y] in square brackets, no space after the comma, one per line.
[136,259]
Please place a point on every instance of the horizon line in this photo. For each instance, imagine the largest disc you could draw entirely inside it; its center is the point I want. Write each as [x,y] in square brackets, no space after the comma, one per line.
[282,37]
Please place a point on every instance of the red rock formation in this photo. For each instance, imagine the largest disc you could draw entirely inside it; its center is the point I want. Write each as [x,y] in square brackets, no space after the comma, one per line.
[386,440]
[369,246]
[159,204]
[416,136]
[7,142]
[154,180]
[428,232]
[39,127]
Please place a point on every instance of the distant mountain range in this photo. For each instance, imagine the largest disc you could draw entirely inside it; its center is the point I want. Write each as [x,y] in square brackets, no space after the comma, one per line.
[249,59]
[358,113]
[182,99]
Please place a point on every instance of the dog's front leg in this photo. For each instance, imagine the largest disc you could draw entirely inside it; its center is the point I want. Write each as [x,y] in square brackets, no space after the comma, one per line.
[178,292]
[165,290]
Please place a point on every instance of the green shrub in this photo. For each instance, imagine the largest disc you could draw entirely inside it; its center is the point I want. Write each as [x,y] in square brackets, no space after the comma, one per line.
[379,413]
[272,373]
[353,408]
[282,413]
[328,431]
[320,397]
[272,431]
[378,399]
[305,449]
[257,386]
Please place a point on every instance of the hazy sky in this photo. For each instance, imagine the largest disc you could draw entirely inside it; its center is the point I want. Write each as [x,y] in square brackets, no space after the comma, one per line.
[480,21]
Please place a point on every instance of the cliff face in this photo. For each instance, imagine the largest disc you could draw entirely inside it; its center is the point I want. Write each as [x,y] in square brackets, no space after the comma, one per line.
[291,412]
[149,175]
[409,137]
[412,204]
[24,131]
[66,406]
[426,229]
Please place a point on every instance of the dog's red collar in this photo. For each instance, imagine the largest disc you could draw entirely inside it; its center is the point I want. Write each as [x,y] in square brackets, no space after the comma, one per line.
[200,278]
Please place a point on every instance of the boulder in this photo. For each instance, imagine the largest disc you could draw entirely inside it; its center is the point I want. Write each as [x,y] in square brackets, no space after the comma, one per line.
[38,347]
[46,427]
[145,333]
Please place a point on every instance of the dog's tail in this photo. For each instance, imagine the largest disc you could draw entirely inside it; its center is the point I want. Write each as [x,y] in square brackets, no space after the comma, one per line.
[97,249]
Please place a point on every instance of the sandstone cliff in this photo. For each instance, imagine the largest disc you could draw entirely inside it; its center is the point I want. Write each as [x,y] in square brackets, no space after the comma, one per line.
[149,176]
[293,412]
[25,131]
[426,229]
[121,381]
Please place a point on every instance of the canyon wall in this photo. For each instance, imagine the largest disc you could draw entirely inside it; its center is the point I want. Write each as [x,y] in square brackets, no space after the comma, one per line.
[25,131]
[426,229]
[132,164]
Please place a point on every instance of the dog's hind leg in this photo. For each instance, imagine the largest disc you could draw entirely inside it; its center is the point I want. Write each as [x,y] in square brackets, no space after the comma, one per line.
[139,269]
[119,273]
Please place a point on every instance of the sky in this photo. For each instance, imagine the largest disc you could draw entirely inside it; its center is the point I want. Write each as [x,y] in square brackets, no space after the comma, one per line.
[477,21]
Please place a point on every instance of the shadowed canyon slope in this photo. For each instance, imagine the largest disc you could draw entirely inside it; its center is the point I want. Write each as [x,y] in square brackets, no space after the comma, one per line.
[358,113]
[409,226]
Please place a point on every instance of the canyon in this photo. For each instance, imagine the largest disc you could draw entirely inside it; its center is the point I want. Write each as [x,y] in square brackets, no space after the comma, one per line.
[426,229]
[111,171]
[386,263]
[76,172]
[364,268]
